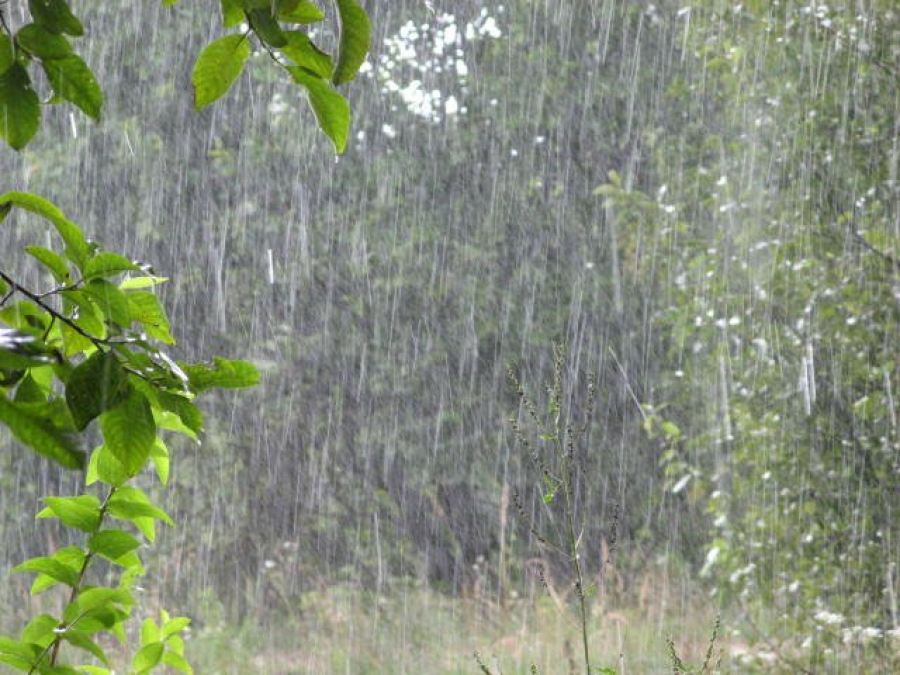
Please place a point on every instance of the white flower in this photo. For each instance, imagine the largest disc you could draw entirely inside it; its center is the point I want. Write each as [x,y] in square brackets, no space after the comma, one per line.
[828,618]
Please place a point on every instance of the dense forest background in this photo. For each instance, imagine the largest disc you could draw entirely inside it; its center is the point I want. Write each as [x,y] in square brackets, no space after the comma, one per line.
[698,203]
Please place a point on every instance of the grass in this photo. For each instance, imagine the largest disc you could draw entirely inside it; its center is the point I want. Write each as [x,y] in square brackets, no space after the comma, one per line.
[416,630]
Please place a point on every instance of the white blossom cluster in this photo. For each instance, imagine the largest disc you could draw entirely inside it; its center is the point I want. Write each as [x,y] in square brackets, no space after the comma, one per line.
[424,65]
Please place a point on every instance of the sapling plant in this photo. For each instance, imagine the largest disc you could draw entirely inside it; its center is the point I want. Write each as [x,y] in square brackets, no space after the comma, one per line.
[551,442]
[553,455]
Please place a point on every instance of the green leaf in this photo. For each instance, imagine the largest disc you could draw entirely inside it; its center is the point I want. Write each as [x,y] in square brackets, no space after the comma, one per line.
[104,466]
[129,431]
[21,350]
[95,620]
[76,246]
[149,632]
[17,662]
[189,413]
[299,11]
[20,109]
[28,391]
[82,640]
[148,657]
[40,629]
[218,66]
[160,456]
[52,568]
[266,27]
[174,625]
[331,109]
[107,265]
[98,597]
[55,16]
[7,55]
[146,309]
[131,563]
[172,422]
[40,435]
[37,40]
[143,516]
[112,544]
[52,260]
[111,301]
[175,644]
[354,43]
[129,503]
[89,317]
[81,512]
[223,373]
[94,387]
[16,652]
[301,50]
[178,662]
[134,283]
[232,13]
[74,81]
[70,556]
[74,341]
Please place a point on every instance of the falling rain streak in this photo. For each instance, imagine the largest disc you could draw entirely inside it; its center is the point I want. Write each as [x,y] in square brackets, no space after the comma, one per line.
[697,201]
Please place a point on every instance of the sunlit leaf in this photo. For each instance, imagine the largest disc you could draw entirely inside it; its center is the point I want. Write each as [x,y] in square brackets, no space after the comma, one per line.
[148,657]
[174,625]
[178,662]
[135,283]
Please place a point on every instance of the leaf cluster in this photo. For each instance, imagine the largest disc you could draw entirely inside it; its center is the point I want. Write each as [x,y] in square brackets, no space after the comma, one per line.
[277,26]
[90,352]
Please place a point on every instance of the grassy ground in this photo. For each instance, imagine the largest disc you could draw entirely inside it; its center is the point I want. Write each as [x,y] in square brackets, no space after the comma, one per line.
[344,630]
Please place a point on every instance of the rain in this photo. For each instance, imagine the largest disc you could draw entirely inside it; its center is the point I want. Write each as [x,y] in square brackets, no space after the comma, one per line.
[589,339]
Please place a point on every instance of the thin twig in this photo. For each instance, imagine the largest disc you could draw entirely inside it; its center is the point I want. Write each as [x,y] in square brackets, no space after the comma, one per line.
[38,299]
